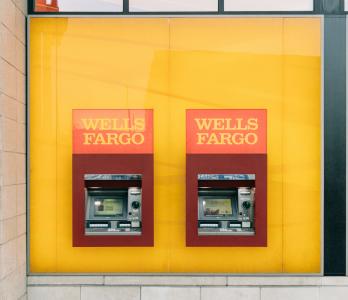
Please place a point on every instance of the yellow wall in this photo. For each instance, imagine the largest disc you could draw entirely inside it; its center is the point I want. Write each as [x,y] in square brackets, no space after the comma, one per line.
[171,65]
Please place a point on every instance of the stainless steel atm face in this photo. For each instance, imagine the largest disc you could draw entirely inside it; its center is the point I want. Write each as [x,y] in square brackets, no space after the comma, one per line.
[224,210]
[112,210]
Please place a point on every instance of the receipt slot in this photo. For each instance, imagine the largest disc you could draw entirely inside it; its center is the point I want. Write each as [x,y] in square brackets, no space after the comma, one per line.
[226,178]
[112,181]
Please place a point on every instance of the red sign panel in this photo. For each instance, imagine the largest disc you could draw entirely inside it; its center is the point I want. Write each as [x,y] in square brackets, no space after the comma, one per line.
[225,131]
[107,131]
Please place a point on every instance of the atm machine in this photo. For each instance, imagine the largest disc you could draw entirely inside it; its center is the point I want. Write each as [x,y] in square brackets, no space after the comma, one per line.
[226,178]
[112,210]
[112,182]
[226,210]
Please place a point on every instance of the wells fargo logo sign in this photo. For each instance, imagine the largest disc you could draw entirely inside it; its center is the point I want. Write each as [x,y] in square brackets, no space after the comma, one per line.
[226,131]
[112,131]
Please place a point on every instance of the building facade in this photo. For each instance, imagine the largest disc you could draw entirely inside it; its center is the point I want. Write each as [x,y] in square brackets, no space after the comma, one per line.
[173,149]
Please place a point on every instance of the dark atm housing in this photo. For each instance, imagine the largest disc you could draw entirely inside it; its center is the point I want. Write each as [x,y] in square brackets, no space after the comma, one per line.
[226,204]
[110,209]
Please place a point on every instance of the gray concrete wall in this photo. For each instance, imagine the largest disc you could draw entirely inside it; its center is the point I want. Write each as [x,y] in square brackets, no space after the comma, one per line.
[186,288]
[12,150]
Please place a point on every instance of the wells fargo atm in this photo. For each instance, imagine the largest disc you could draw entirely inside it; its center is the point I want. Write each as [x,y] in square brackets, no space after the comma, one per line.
[111,207]
[112,178]
[226,204]
[226,177]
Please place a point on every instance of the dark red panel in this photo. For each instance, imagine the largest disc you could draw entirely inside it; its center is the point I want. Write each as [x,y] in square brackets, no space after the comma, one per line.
[112,164]
[226,164]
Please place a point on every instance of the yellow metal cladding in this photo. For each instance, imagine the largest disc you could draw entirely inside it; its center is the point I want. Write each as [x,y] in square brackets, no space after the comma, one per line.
[170,65]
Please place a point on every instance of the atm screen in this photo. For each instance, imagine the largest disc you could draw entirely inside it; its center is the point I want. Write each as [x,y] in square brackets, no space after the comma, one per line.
[108,207]
[217,207]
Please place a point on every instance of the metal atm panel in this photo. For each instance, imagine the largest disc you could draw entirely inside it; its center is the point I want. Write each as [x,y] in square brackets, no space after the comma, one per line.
[224,208]
[110,210]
